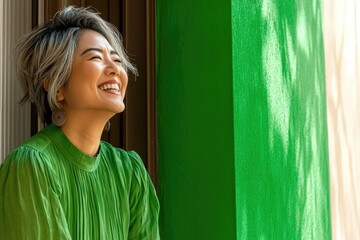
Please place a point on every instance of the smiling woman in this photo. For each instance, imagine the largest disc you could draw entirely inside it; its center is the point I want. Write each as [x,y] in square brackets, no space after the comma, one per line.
[65,182]
[95,88]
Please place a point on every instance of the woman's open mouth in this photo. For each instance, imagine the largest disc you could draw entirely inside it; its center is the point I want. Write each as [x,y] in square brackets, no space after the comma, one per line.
[110,88]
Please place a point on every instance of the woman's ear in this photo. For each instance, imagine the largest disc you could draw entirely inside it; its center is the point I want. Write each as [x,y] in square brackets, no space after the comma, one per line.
[60,95]
[46,84]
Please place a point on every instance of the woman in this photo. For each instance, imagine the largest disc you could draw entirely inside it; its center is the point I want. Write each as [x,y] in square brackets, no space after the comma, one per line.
[64,183]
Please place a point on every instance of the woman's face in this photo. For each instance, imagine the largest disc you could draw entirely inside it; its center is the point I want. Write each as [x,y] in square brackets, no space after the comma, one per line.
[97,81]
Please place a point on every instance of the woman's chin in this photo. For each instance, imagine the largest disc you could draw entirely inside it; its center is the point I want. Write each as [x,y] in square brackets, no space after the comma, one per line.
[120,108]
[115,106]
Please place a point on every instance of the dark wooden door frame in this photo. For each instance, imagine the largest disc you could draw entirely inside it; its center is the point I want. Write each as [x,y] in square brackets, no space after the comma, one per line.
[136,127]
[142,18]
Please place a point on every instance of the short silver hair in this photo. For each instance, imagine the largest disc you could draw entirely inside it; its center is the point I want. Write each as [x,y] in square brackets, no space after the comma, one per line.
[46,53]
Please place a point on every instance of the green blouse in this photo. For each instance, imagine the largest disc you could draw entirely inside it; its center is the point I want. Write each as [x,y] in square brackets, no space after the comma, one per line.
[51,190]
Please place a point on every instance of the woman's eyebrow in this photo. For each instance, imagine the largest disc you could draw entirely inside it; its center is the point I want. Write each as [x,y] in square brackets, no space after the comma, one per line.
[112,52]
[91,49]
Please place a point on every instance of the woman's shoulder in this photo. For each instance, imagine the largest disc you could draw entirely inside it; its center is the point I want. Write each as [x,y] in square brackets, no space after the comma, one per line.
[24,163]
[26,154]
[30,152]
[26,170]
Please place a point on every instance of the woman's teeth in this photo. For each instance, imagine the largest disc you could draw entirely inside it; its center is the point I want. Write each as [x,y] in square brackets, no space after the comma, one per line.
[110,87]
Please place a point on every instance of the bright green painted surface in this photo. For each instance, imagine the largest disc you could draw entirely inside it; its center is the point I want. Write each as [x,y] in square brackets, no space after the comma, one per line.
[282,187]
[195,120]
[241,120]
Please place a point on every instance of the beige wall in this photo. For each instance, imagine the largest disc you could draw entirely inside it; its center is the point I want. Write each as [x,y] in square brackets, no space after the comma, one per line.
[15,20]
[342,52]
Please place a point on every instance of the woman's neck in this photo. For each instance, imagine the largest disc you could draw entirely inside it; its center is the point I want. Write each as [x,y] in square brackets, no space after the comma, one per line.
[84,133]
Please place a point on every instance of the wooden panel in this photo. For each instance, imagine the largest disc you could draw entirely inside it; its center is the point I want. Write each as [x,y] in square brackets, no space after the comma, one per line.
[151,91]
[15,20]
[134,36]
[115,13]
[100,6]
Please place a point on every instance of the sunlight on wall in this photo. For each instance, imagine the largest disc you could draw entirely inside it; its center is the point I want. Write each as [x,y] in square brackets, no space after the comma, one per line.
[342,57]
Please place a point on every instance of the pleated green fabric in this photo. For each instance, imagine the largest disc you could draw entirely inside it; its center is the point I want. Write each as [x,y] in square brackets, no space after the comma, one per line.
[51,190]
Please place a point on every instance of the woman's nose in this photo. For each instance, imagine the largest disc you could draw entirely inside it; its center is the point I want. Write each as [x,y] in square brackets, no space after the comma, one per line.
[112,68]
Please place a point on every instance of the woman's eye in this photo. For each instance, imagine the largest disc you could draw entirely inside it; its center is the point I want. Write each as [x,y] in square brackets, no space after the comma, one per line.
[117,60]
[96,57]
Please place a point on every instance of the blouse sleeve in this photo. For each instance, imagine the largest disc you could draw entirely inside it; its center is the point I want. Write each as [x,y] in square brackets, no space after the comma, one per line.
[29,207]
[144,205]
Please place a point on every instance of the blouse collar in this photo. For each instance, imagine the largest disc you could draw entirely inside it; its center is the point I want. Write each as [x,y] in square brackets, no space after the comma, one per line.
[71,152]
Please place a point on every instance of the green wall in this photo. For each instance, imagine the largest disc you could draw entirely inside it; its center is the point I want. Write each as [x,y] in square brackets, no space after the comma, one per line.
[195,120]
[282,183]
[241,120]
